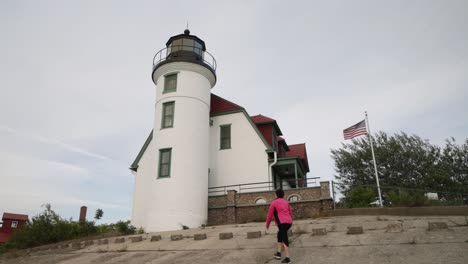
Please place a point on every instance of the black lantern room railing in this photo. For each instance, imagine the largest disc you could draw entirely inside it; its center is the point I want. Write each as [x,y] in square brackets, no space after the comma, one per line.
[184,53]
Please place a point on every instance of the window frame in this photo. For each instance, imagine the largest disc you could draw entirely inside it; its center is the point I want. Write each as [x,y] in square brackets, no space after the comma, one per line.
[166,89]
[260,200]
[161,151]
[221,146]
[164,116]
[14,224]
[292,196]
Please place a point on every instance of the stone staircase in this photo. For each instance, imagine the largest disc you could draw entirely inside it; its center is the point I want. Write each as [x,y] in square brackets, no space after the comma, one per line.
[252,238]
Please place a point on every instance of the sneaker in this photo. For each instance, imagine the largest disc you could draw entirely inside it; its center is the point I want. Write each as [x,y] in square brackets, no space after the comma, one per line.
[286,260]
[277,255]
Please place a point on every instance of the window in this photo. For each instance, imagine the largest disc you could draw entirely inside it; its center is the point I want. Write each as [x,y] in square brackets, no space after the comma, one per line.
[167,115]
[164,163]
[225,136]
[260,200]
[170,83]
[187,44]
[176,45]
[294,198]
[14,224]
[198,49]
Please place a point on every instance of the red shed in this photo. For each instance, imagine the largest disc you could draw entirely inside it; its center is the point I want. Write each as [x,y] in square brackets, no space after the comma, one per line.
[11,222]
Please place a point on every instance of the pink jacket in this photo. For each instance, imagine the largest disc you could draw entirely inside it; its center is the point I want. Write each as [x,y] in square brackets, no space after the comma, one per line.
[282,212]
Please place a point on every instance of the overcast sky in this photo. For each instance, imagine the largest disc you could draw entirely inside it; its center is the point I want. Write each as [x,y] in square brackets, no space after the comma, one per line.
[77,97]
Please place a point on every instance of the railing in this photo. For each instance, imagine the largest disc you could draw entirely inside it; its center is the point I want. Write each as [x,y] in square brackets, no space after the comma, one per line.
[404,196]
[264,186]
[184,51]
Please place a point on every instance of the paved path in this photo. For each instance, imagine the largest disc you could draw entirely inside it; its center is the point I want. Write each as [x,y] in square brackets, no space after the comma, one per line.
[385,239]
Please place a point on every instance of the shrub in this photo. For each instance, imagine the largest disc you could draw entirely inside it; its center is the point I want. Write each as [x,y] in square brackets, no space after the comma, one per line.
[125,227]
[48,227]
[404,198]
[360,196]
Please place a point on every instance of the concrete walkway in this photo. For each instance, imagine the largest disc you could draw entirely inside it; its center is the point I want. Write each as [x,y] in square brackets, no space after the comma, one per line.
[384,239]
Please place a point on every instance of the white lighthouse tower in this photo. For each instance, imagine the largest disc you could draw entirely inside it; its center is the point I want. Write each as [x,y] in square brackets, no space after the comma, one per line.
[174,193]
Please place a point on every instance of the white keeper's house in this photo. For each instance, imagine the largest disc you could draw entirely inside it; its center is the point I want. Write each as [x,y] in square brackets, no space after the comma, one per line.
[200,141]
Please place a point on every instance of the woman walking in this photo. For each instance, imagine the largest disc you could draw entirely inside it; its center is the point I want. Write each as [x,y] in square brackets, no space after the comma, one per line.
[282,212]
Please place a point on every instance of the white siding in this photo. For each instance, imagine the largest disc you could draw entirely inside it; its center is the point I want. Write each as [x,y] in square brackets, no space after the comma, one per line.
[162,204]
[245,162]
[145,176]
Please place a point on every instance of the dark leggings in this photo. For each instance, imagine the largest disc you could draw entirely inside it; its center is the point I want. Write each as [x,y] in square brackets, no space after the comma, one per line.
[283,234]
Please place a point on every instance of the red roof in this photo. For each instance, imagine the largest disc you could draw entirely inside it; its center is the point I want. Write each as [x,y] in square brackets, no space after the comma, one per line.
[261,119]
[15,216]
[4,236]
[298,150]
[221,105]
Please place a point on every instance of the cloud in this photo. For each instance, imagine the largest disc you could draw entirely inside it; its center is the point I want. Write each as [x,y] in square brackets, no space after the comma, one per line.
[53,142]
[34,181]
[404,104]
[78,101]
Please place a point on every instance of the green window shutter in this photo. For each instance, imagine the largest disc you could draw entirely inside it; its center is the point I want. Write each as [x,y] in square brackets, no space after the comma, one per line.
[164,163]
[225,139]
[167,115]
[170,83]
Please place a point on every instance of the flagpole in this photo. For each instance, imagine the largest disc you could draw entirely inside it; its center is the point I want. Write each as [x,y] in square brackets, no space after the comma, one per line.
[373,157]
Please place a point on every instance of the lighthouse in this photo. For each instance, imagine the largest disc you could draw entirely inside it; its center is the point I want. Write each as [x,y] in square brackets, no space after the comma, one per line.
[174,193]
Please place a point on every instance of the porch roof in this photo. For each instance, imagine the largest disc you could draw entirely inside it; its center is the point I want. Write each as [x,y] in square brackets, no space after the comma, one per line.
[291,161]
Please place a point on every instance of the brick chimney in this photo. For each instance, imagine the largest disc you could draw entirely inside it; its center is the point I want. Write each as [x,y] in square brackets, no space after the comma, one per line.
[83,213]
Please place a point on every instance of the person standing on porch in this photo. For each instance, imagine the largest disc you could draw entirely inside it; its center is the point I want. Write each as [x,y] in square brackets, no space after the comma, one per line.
[282,212]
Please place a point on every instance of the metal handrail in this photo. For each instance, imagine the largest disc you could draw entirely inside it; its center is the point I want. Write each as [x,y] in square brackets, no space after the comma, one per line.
[255,185]
[163,54]
[462,196]
[408,189]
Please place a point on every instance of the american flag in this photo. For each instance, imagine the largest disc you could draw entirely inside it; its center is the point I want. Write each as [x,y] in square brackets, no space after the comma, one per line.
[358,129]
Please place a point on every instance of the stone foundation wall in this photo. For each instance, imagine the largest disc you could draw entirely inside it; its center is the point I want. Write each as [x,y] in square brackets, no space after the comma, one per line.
[235,208]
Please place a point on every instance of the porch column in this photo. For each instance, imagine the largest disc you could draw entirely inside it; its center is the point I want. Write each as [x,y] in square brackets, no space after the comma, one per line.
[295,174]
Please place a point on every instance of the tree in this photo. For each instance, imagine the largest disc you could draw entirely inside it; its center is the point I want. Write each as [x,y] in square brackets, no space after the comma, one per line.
[99,214]
[403,161]
[360,196]
[454,166]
